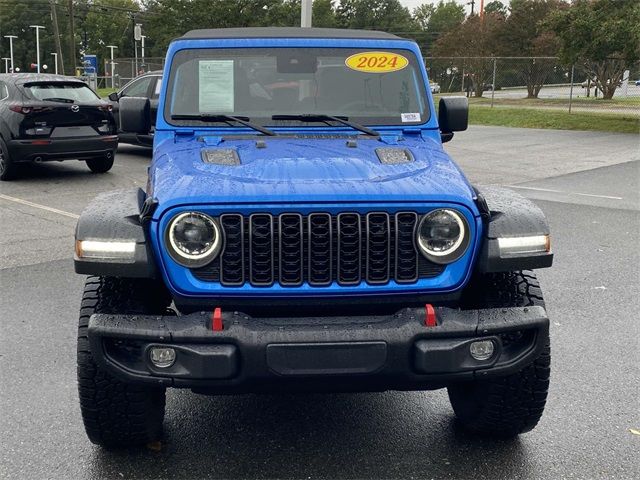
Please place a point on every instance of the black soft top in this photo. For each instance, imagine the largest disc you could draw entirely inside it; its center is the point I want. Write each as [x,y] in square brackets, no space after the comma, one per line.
[288,32]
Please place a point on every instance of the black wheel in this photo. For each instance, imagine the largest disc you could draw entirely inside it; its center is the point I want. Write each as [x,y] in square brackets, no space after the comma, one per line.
[7,168]
[118,414]
[505,406]
[101,164]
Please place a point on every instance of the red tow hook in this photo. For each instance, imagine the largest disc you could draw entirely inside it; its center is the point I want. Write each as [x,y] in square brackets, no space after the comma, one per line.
[430,316]
[216,320]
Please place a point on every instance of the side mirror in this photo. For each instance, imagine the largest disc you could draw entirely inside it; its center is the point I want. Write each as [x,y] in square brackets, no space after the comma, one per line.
[113,96]
[135,115]
[453,116]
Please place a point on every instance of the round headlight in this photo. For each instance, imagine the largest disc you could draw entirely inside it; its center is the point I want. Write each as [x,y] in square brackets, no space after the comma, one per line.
[194,239]
[443,235]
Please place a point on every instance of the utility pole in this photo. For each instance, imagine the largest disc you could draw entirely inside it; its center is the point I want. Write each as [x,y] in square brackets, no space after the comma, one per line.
[11,37]
[72,37]
[133,23]
[55,61]
[56,33]
[306,13]
[113,66]
[473,4]
[37,27]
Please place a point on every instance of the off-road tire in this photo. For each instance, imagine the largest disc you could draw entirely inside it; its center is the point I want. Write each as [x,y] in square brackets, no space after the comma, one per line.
[511,405]
[118,414]
[101,164]
[7,167]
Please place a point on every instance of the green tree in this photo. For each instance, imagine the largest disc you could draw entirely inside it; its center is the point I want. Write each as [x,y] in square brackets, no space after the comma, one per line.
[603,36]
[106,23]
[476,40]
[172,18]
[436,20]
[287,14]
[15,18]
[423,13]
[168,19]
[324,14]
[524,33]
[386,15]
[496,7]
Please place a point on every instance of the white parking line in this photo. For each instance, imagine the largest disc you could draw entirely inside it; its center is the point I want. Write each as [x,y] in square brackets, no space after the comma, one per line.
[565,193]
[37,205]
[598,196]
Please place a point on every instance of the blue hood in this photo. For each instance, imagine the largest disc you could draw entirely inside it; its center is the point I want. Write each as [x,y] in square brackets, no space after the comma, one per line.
[304,170]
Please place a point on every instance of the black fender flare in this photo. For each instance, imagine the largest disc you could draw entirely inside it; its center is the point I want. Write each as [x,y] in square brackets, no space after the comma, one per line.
[118,216]
[508,214]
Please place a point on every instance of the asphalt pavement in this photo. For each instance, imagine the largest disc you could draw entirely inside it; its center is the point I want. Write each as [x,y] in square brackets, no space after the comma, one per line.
[586,182]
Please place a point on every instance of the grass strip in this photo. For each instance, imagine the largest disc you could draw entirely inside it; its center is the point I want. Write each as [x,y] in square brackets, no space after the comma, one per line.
[553,119]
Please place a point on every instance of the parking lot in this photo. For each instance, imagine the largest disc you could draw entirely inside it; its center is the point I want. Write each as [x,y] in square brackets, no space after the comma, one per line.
[587,183]
[563,91]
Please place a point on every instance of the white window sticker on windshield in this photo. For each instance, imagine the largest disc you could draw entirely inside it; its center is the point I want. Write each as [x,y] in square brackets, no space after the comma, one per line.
[216,86]
[410,117]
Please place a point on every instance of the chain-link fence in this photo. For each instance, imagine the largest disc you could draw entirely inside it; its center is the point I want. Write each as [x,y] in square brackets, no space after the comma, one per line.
[125,69]
[534,82]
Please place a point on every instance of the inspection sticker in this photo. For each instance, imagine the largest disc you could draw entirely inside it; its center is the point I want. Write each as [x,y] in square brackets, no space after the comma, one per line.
[376,62]
[410,117]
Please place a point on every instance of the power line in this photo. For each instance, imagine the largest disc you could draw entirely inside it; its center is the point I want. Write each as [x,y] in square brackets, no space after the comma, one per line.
[86,5]
[41,5]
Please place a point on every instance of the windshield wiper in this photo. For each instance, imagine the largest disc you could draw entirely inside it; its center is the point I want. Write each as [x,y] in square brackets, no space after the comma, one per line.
[58,99]
[214,117]
[320,117]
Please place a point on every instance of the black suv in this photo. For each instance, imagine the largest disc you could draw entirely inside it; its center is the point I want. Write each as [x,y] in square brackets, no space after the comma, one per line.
[52,117]
[145,86]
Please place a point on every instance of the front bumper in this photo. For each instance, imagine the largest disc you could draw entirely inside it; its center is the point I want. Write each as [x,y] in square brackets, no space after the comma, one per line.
[50,149]
[373,353]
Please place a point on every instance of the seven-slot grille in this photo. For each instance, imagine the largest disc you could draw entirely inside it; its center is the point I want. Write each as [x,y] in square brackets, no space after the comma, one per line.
[319,249]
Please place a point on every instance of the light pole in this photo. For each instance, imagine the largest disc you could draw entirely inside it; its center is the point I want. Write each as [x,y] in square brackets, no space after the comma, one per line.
[37,27]
[142,49]
[113,65]
[137,34]
[55,60]
[6,64]
[11,37]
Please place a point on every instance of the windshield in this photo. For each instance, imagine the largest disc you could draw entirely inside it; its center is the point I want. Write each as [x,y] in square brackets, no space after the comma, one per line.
[364,86]
[61,92]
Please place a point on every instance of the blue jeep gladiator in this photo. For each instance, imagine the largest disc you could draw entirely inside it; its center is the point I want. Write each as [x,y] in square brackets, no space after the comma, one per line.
[303,229]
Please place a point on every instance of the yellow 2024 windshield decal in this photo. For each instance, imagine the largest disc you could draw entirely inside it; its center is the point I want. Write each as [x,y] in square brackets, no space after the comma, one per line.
[376,62]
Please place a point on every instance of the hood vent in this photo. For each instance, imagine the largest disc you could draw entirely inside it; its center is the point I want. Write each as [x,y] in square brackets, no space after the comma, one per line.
[221,156]
[394,156]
